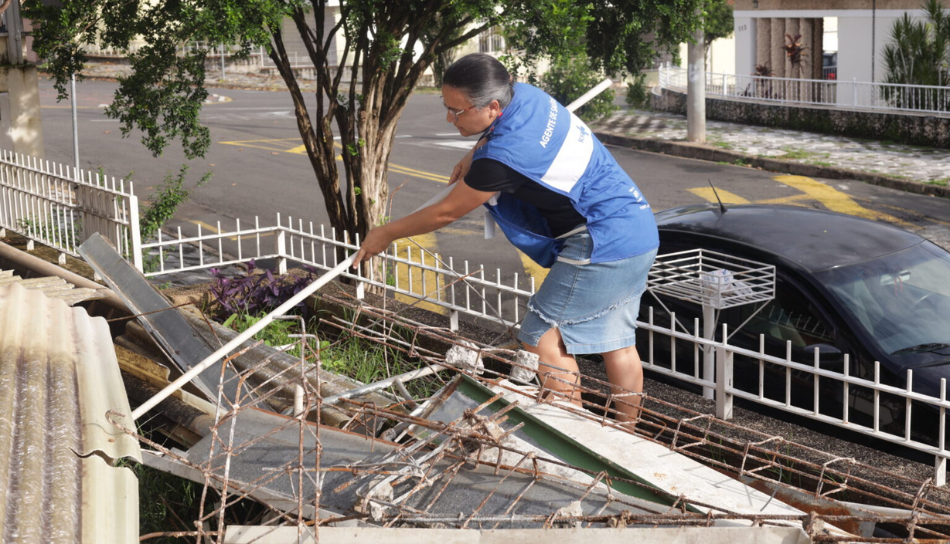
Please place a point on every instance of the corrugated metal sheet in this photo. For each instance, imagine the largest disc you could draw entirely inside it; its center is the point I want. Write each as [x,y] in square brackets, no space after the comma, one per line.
[52,287]
[58,377]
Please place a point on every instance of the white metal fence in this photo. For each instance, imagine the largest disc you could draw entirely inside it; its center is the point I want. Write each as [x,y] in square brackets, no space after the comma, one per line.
[408,271]
[841,94]
[61,207]
[43,203]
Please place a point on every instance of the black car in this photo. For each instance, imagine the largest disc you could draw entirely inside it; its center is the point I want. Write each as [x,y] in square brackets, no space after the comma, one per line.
[843,284]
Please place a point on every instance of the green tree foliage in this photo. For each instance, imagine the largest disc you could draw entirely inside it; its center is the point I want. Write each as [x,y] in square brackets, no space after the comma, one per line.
[919,52]
[387,46]
[569,78]
[718,22]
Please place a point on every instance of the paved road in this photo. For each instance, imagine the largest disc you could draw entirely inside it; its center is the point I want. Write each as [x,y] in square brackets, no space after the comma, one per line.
[259,170]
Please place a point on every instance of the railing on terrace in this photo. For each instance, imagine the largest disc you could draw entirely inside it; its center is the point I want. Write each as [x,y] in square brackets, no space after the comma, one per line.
[49,203]
[43,205]
[297,59]
[831,92]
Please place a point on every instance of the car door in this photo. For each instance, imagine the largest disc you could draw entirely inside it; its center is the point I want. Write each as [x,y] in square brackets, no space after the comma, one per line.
[792,325]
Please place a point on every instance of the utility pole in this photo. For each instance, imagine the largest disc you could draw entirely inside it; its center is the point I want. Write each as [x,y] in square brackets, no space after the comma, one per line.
[696,87]
[873,36]
[22,130]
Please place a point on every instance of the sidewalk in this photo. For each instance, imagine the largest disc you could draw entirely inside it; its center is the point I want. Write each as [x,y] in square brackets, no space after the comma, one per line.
[909,168]
[890,164]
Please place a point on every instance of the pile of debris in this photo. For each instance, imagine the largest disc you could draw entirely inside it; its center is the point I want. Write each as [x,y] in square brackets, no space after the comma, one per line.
[485,458]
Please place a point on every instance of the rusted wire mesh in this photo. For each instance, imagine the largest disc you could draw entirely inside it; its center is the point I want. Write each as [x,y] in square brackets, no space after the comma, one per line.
[417,471]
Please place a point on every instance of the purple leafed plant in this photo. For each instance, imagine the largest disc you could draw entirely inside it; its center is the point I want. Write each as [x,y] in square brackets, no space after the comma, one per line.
[253,293]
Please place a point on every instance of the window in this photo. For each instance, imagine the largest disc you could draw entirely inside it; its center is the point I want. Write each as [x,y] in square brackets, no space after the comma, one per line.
[491,41]
[789,317]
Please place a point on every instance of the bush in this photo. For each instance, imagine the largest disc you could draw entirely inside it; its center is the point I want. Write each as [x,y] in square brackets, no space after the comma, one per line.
[253,293]
[638,95]
[569,78]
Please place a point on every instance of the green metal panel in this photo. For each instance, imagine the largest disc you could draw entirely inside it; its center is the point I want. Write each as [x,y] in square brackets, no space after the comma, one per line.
[566,449]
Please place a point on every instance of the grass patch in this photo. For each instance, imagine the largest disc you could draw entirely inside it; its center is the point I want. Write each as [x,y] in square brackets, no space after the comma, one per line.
[820,163]
[350,356]
[801,154]
[721,145]
[943,182]
[742,162]
[168,503]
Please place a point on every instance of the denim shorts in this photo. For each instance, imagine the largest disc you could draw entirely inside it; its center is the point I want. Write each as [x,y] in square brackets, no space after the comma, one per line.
[595,306]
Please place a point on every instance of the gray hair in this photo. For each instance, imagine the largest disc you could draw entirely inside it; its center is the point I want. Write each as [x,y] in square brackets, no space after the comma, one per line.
[482,78]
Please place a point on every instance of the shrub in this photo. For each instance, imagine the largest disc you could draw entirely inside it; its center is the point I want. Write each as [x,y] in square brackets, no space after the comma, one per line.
[569,78]
[638,95]
[253,293]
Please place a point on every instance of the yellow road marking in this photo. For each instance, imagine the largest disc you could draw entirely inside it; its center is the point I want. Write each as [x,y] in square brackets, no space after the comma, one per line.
[794,200]
[396,169]
[242,142]
[912,212]
[302,150]
[533,270]
[828,196]
[407,170]
[835,200]
[726,196]
[427,283]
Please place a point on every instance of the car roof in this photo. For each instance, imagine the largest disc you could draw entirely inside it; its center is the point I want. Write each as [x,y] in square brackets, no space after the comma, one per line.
[813,239]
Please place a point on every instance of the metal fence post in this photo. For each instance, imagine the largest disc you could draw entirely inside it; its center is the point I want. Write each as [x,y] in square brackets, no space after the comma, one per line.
[723,378]
[281,251]
[136,232]
[854,91]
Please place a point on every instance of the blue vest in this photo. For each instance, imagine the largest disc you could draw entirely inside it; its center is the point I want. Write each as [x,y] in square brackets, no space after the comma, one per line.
[542,140]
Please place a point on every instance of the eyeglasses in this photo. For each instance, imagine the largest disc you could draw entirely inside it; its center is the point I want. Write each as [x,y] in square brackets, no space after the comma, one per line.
[455,113]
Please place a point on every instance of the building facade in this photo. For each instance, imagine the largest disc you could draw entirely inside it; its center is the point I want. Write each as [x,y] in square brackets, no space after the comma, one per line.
[863,29]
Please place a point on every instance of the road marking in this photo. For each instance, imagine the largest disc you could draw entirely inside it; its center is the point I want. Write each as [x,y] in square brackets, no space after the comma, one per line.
[533,269]
[811,190]
[710,195]
[418,173]
[456,144]
[256,143]
[836,200]
[794,200]
[302,150]
[911,212]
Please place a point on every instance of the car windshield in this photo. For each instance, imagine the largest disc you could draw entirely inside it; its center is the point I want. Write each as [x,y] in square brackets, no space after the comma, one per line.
[902,300]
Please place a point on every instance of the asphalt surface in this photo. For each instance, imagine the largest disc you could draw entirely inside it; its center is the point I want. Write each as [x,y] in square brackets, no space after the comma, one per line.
[259,170]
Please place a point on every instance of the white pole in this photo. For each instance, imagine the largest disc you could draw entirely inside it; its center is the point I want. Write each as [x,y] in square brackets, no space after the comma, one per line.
[239,339]
[72,100]
[696,90]
[589,95]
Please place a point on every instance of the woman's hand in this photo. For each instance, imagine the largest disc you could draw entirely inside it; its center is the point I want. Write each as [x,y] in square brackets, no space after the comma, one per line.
[376,242]
[462,167]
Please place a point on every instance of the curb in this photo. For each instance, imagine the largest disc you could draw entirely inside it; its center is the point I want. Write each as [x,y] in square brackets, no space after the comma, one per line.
[705,153]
